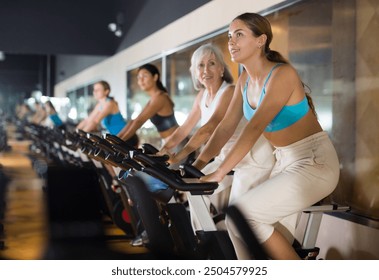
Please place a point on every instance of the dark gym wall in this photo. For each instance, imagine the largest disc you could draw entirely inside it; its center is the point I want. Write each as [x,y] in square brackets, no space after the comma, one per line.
[22,74]
[69,65]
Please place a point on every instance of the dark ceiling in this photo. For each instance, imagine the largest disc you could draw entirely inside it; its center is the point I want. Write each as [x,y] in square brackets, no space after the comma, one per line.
[81,26]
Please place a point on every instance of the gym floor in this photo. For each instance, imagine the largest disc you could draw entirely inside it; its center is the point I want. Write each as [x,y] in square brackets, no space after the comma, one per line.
[25,222]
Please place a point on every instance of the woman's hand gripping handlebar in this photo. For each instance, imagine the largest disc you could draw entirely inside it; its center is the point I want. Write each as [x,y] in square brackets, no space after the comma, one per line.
[147,161]
[173,179]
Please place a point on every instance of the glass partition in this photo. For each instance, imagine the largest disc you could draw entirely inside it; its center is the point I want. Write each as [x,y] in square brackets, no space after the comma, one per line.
[303,34]
[81,103]
[179,82]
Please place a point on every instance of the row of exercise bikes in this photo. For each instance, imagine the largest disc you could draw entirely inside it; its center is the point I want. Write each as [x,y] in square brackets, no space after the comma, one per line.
[80,192]
[3,179]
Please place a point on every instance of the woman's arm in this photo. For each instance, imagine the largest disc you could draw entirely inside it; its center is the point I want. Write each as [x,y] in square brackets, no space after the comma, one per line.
[154,105]
[105,111]
[184,130]
[43,115]
[223,131]
[39,116]
[81,124]
[90,124]
[203,134]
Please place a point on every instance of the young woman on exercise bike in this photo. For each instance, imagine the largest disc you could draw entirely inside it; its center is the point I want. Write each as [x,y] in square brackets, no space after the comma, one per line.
[159,109]
[274,100]
[105,113]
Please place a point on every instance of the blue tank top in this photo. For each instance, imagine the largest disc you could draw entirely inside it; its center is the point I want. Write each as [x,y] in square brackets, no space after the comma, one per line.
[289,114]
[56,120]
[162,123]
[114,123]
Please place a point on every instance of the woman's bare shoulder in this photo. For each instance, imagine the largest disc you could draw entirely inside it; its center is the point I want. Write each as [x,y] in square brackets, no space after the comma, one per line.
[242,80]
[287,69]
[230,87]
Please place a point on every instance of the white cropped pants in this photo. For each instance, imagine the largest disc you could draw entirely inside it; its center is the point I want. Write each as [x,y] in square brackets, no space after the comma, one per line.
[254,169]
[304,173]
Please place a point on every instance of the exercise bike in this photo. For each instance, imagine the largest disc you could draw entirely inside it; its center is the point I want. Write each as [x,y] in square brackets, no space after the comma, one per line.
[206,243]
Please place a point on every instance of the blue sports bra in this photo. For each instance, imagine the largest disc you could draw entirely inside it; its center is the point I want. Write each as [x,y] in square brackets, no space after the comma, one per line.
[114,123]
[289,114]
[162,123]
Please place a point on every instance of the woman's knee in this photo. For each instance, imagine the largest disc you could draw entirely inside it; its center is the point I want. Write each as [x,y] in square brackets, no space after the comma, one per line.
[260,230]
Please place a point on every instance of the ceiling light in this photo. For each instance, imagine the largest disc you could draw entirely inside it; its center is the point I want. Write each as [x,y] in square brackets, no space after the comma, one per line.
[112,27]
[116,28]
[118,33]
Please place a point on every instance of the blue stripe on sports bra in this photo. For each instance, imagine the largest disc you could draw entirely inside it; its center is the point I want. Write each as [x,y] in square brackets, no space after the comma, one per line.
[56,119]
[289,114]
[114,123]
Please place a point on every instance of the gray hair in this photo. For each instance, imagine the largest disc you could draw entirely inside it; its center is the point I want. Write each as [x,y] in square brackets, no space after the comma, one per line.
[199,53]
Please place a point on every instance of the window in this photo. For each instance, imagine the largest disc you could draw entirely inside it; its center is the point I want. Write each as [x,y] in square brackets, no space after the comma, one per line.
[303,34]
[81,103]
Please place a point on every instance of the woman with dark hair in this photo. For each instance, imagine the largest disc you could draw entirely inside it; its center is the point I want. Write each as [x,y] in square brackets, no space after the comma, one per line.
[274,100]
[159,109]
